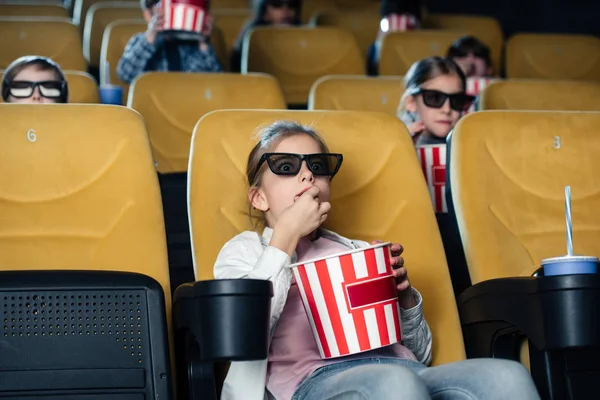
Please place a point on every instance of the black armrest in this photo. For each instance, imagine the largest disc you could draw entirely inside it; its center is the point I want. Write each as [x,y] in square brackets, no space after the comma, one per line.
[218,320]
[554,312]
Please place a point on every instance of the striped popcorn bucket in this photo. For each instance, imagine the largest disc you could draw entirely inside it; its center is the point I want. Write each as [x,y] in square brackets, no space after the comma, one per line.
[351,300]
[474,87]
[399,23]
[185,15]
[433,163]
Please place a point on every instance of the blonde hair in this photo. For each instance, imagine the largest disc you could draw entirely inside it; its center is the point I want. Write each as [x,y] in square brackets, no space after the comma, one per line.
[271,136]
[268,138]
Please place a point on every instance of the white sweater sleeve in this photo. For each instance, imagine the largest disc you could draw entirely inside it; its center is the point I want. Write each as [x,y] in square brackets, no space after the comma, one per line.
[245,257]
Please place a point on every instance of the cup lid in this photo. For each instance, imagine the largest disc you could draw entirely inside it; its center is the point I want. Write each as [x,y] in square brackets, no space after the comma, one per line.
[554,260]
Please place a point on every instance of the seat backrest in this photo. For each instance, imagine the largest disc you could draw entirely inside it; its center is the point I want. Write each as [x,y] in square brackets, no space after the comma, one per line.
[367,6]
[549,56]
[297,57]
[69,215]
[526,94]
[231,23]
[508,172]
[363,25]
[217,40]
[486,29]
[32,10]
[99,16]
[115,38]
[310,8]
[400,50]
[172,103]
[80,10]
[357,93]
[82,87]
[83,196]
[230,4]
[378,151]
[56,38]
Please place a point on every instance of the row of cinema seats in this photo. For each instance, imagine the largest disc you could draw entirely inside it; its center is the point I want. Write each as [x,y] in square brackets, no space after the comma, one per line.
[85,267]
[383,94]
[334,92]
[93,16]
[170,119]
[298,57]
[310,8]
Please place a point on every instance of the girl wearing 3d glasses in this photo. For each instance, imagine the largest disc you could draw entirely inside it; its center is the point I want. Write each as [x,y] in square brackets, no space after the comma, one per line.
[434,99]
[34,80]
[289,173]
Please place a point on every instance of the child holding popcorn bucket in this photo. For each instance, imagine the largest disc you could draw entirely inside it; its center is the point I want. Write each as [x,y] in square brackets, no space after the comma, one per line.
[345,321]
[177,40]
[434,100]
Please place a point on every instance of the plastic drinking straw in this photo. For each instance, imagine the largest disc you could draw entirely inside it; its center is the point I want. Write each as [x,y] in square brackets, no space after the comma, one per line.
[569,222]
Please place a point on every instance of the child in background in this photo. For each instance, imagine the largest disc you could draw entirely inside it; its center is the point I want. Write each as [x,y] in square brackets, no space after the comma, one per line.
[289,173]
[396,16]
[472,56]
[34,80]
[434,99]
[267,13]
[150,51]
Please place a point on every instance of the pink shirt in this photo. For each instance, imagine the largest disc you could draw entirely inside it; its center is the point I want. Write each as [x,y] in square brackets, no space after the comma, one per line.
[293,354]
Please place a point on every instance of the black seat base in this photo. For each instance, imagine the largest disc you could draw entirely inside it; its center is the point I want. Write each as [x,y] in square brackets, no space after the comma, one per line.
[559,315]
[82,335]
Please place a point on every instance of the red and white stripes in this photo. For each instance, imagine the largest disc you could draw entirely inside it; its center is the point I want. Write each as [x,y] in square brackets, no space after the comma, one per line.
[184,15]
[399,23]
[351,301]
[433,163]
[475,86]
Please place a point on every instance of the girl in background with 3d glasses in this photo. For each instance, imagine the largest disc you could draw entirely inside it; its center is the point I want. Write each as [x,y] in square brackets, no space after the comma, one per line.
[34,80]
[289,173]
[434,99]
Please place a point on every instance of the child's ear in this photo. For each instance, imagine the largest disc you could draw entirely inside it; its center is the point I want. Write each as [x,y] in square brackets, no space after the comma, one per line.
[489,71]
[410,104]
[258,199]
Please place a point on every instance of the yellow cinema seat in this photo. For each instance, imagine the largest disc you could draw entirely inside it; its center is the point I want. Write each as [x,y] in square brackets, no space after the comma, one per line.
[363,25]
[400,50]
[172,103]
[56,38]
[377,151]
[297,57]
[548,56]
[82,252]
[32,9]
[115,39]
[81,7]
[100,15]
[529,94]
[357,93]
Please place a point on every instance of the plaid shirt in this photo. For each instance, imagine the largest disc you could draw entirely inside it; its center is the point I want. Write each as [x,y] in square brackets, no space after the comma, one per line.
[140,56]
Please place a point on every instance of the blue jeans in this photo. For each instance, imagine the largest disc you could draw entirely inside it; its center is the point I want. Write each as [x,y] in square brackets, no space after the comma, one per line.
[398,379]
